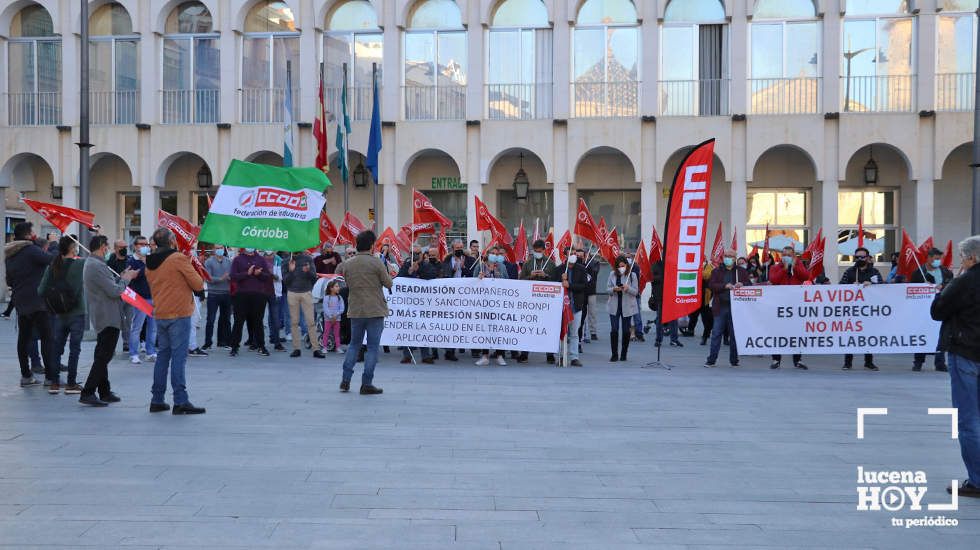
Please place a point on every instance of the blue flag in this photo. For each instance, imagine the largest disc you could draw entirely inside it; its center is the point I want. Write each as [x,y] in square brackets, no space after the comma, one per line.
[341,152]
[374,138]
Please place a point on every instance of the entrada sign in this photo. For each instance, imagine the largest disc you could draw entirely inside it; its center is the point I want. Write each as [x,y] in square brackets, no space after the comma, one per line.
[448,183]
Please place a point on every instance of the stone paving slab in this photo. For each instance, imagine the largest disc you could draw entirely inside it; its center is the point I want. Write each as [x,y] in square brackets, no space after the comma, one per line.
[454,456]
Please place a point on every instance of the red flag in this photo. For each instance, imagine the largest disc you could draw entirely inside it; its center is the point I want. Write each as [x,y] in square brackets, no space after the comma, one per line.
[388,237]
[861,226]
[642,261]
[567,315]
[808,252]
[199,267]
[601,230]
[520,247]
[423,211]
[549,244]
[584,224]
[349,228]
[328,231]
[656,247]
[687,216]
[609,248]
[210,200]
[320,136]
[132,298]
[755,252]
[61,216]
[403,241]
[442,246]
[508,249]
[735,239]
[924,249]
[562,246]
[485,221]
[717,249]
[948,255]
[908,258]
[816,257]
[185,232]
[424,228]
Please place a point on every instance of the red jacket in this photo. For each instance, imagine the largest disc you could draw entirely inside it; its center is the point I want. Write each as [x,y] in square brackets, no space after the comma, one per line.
[778,274]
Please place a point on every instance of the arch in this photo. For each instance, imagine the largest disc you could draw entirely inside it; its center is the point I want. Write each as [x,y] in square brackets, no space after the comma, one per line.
[265,157]
[362,14]
[605,150]
[875,7]
[965,6]
[426,152]
[883,153]
[276,10]
[163,171]
[22,171]
[110,19]
[10,11]
[694,11]
[518,13]
[784,9]
[431,14]
[959,150]
[604,12]
[106,157]
[167,10]
[674,160]
[799,152]
[31,21]
[509,151]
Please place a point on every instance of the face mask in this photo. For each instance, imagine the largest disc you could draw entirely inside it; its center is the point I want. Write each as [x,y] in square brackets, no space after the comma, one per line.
[572,259]
[144,251]
[538,255]
[458,253]
[108,256]
[622,271]
[937,263]
[249,250]
[787,260]
[497,258]
[861,263]
[728,262]
[219,252]
[741,264]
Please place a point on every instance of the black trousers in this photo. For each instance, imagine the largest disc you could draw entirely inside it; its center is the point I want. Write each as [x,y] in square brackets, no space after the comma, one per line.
[707,319]
[796,357]
[28,325]
[868,359]
[98,377]
[219,305]
[249,309]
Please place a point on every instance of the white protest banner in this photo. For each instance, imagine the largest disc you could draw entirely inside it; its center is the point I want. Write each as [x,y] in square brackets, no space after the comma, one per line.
[474,313]
[832,319]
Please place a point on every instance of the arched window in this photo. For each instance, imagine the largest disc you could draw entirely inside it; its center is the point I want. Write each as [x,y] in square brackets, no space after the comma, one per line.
[352,37]
[519,74]
[435,62]
[606,59]
[191,66]
[694,59]
[114,66]
[270,43]
[33,69]
[956,39]
[784,63]
[877,61]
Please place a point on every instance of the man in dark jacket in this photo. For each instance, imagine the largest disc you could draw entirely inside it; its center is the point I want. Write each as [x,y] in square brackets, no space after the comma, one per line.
[538,267]
[862,273]
[657,293]
[724,279]
[958,307]
[25,263]
[589,316]
[457,263]
[426,266]
[932,272]
[575,279]
[298,280]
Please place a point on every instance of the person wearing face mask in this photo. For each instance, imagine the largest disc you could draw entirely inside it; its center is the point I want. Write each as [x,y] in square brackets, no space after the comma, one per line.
[789,271]
[575,279]
[25,262]
[492,268]
[724,279]
[538,267]
[934,273]
[958,308]
[421,265]
[218,267]
[252,276]
[455,265]
[622,287]
[862,273]
[328,260]
[590,319]
[141,249]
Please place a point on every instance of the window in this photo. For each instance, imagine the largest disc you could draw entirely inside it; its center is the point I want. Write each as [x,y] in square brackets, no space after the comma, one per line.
[539,206]
[879,212]
[877,57]
[621,209]
[435,62]
[114,66]
[787,214]
[191,67]
[784,60]
[956,55]
[694,59]
[352,38]
[33,69]
[605,60]
[270,43]
[519,61]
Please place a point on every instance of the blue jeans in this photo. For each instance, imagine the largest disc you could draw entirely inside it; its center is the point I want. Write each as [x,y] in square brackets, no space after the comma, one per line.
[638,318]
[172,356]
[723,323]
[69,330]
[219,305]
[275,321]
[358,326]
[617,321]
[134,333]
[963,375]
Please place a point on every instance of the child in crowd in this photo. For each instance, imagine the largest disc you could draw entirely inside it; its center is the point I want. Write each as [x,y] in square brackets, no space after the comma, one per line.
[333,307]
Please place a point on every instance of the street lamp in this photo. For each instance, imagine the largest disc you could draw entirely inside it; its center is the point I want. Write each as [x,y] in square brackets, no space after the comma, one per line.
[360,175]
[204,177]
[847,82]
[871,169]
[521,183]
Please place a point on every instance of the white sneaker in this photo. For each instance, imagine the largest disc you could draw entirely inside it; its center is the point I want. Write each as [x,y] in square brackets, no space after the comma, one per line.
[501,362]
[151,357]
[483,361]
[135,359]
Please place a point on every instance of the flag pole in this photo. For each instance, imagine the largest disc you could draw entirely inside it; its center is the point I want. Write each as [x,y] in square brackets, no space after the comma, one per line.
[374,92]
[343,122]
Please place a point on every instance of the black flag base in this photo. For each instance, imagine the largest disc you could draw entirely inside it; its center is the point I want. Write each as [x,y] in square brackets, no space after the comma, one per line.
[658,364]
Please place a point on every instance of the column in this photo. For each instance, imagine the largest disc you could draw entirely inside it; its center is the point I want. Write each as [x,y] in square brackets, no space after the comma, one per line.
[738,74]
[475,62]
[390,185]
[309,64]
[830,100]
[70,44]
[925,62]
[924,177]
[833,176]
[560,183]
[142,174]
[648,180]
[649,59]
[561,60]
[228,58]
[391,63]
[474,188]
[149,67]
[4,85]
[737,214]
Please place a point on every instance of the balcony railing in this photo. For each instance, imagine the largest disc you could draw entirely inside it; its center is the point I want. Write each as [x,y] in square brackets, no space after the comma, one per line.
[447,102]
[359,101]
[705,97]
[266,105]
[881,94]
[784,96]
[605,99]
[120,107]
[954,91]
[518,101]
[189,106]
[34,109]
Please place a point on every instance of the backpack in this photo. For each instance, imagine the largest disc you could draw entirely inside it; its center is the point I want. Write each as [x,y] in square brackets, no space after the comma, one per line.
[60,296]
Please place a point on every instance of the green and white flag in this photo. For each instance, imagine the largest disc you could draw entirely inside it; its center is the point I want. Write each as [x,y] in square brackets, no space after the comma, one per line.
[267,207]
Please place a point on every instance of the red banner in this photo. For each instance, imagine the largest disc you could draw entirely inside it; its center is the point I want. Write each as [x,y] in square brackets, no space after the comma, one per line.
[642,262]
[185,232]
[948,255]
[808,253]
[584,224]
[132,298]
[924,249]
[423,211]
[61,216]
[424,228]
[609,247]
[442,247]
[549,244]
[485,221]
[717,249]
[656,247]
[199,267]
[349,228]
[328,231]
[687,218]
[520,247]
[816,257]
[563,243]
[735,241]
[908,259]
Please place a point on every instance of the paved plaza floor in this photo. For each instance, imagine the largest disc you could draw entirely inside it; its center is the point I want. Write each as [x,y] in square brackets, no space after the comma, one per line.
[609,456]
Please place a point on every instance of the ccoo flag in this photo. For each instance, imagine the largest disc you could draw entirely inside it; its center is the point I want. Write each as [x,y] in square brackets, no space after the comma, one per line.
[684,234]
[267,207]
